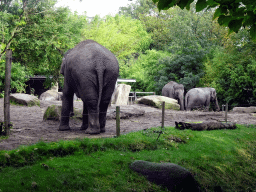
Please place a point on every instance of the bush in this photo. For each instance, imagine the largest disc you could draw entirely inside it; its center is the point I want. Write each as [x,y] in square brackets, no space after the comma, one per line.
[19,76]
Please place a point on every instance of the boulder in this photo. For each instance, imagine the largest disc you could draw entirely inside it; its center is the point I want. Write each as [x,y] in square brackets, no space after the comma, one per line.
[51,95]
[125,112]
[250,109]
[24,99]
[169,175]
[53,112]
[156,101]
[121,94]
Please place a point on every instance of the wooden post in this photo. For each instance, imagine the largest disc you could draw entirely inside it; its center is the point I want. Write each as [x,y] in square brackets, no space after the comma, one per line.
[117,121]
[163,109]
[226,113]
[8,67]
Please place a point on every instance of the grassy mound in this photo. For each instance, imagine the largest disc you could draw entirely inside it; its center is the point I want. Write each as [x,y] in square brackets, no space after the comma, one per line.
[217,159]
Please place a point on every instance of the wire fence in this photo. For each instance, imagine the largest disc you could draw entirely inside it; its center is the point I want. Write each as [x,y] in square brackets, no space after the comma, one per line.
[223,108]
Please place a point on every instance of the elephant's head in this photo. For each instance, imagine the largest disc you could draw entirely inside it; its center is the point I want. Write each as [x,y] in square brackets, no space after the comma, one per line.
[62,68]
[213,98]
[179,94]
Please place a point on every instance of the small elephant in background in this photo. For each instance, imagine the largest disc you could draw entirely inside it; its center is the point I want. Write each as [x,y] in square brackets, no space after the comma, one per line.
[199,97]
[175,91]
[90,71]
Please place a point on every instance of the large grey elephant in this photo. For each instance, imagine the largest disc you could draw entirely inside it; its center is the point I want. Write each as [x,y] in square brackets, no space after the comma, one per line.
[90,71]
[175,91]
[199,97]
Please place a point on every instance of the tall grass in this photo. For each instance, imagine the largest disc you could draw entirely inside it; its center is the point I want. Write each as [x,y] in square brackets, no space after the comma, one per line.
[223,159]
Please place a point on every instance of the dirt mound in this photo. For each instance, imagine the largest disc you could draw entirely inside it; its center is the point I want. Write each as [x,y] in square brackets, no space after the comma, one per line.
[29,127]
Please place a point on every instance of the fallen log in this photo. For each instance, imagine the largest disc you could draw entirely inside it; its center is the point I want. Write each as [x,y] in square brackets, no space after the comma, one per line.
[209,125]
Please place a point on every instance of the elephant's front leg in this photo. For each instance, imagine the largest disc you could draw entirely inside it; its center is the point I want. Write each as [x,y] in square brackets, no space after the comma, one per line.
[67,103]
[207,105]
[85,118]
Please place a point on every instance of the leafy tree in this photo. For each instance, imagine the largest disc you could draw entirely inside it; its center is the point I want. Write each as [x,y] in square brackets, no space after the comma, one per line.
[191,39]
[18,78]
[140,7]
[143,69]
[185,66]
[13,18]
[38,34]
[231,13]
[41,44]
[232,70]
[120,34]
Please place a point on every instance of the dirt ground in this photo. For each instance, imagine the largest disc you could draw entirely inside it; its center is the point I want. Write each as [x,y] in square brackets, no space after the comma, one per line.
[29,127]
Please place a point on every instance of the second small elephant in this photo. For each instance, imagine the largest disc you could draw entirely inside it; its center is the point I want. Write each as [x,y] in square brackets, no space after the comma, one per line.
[175,91]
[199,97]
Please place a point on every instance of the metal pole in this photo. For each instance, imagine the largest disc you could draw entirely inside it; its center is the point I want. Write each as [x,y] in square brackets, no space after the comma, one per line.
[7,82]
[117,121]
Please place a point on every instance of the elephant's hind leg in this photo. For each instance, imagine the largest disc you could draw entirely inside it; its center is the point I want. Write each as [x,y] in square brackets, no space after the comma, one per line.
[93,117]
[104,103]
[85,118]
[103,115]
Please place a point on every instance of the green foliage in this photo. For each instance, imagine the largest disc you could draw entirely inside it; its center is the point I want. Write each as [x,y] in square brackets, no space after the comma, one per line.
[38,34]
[45,38]
[185,66]
[230,13]
[143,69]
[18,78]
[138,8]
[232,71]
[122,35]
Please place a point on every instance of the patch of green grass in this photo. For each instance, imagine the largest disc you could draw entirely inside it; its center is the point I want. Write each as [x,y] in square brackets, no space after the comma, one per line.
[195,122]
[219,158]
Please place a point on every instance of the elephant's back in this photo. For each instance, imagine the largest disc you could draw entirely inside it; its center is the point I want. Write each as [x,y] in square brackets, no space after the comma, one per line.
[90,53]
[95,50]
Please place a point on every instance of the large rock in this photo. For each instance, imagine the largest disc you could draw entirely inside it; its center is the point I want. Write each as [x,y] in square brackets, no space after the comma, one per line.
[121,94]
[250,109]
[51,95]
[24,99]
[156,101]
[169,175]
[53,112]
[125,112]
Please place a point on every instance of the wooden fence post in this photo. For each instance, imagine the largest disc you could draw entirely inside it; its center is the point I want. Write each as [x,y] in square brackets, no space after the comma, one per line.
[8,67]
[226,113]
[117,121]
[163,109]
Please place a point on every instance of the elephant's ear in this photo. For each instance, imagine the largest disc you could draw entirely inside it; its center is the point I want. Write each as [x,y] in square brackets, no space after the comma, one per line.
[213,93]
[62,69]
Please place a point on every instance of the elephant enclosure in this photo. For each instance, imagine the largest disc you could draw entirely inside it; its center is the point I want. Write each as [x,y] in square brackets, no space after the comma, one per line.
[29,127]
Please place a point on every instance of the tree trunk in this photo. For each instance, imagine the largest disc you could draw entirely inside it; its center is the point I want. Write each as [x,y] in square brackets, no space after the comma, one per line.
[213,125]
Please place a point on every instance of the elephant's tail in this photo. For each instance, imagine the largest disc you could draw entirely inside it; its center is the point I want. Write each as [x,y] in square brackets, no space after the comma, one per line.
[100,83]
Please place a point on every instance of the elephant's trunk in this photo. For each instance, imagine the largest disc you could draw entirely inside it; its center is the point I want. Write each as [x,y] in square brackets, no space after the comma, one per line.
[217,105]
[181,102]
